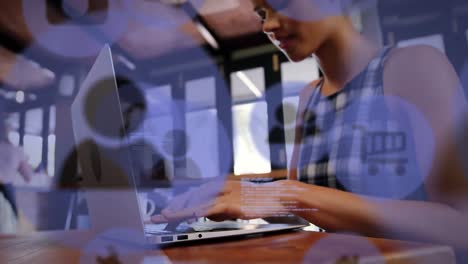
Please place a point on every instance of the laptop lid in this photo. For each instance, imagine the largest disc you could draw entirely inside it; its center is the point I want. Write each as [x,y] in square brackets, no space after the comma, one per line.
[103,151]
[104,159]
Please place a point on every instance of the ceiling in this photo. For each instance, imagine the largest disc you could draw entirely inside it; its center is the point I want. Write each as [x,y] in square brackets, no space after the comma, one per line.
[142,29]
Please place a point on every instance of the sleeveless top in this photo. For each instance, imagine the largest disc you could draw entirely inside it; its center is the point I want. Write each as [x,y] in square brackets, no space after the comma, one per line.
[332,148]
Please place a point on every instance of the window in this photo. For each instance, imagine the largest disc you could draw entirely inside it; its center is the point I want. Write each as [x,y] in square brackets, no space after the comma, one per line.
[201,93]
[290,106]
[52,120]
[250,127]
[158,121]
[13,137]
[251,150]
[202,144]
[157,98]
[51,155]
[33,149]
[13,125]
[33,142]
[296,75]
[34,120]
[248,85]
[202,140]
[51,142]
[250,122]
[13,122]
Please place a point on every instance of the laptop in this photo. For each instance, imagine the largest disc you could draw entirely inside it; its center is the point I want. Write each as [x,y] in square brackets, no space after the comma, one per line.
[107,176]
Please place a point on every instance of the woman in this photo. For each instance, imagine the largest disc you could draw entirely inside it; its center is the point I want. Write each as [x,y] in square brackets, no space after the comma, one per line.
[353,67]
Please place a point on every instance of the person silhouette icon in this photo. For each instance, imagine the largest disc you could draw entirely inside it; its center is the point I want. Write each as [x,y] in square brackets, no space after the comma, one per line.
[286,113]
[277,144]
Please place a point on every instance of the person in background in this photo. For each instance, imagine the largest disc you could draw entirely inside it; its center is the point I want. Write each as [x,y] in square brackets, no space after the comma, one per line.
[13,164]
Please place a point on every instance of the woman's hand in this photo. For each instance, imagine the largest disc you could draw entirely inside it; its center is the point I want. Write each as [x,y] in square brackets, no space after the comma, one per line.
[237,199]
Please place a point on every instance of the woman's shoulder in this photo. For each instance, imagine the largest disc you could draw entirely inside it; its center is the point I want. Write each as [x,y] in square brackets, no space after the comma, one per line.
[307,92]
[419,67]
[413,55]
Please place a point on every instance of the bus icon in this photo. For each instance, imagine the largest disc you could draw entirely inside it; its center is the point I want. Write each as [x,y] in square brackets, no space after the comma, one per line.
[380,148]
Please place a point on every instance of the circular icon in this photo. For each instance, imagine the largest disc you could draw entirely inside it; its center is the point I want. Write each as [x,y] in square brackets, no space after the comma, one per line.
[190,143]
[91,30]
[389,146]
[281,129]
[110,114]
[189,130]
[198,136]
[189,134]
[343,249]
[148,164]
[120,246]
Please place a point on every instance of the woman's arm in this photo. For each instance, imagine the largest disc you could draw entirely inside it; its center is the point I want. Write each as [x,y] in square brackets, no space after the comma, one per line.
[341,211]
[423,77]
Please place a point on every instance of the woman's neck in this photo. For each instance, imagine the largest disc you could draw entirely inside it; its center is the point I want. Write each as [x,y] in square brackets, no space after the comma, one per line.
[342,57]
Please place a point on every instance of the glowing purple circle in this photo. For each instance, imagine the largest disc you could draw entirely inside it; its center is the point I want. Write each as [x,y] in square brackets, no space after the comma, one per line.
[258,118]
[72,39]
[309,10]
[119,246]
[390,147]
[343,249]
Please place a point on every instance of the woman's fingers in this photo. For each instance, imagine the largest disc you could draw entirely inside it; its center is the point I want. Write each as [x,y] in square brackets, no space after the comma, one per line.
[212,199]
[227,205]
[218,210]
[222,211]
[158,219]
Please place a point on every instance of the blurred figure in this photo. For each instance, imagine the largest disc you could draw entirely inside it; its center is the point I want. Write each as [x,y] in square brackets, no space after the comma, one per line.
[13,164]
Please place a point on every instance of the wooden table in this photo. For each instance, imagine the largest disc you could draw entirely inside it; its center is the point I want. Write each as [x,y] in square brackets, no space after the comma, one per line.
[297,247]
